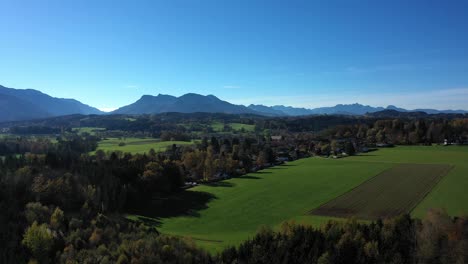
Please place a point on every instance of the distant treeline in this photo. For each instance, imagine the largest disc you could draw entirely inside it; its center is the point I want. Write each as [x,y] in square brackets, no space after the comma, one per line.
[405,128]
[404,131]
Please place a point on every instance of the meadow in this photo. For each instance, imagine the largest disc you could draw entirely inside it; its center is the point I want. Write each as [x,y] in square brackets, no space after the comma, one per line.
[219,127]
[450,193]
[137,145]
[230,211]
[389,194]
[89,130]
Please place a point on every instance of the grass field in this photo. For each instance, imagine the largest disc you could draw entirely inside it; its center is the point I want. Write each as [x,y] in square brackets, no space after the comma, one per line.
[51,137]
[219,127]
[137,145]
[231,211]
[391,193]
[450,193]
[89,130]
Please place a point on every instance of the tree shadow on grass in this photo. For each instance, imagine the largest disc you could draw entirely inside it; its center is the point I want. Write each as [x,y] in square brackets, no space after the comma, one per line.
[148,220]
[286,165]
[367,154]
[220,184]
[250,177]
[184,203]
[281,167]
[277,168]
[257,172]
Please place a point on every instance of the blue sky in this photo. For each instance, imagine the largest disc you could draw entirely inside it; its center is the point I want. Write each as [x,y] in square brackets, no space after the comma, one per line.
[301,53]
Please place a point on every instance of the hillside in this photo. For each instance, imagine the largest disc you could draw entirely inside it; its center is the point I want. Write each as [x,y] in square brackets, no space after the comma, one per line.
[147,104]
[188,103]
[24,104]
[265,110]
[342,109]
[13,108]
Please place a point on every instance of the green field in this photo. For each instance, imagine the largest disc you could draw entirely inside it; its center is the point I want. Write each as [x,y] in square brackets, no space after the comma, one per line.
[391,193]
[89,130]
[233,210]
[137,145]
[51,137]
[450,193]
[219,127]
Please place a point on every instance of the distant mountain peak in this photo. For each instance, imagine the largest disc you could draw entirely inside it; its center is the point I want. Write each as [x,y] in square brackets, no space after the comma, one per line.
[187,103]
[157,96]
[40,105]
[192,95]
[22,104]
[342,109]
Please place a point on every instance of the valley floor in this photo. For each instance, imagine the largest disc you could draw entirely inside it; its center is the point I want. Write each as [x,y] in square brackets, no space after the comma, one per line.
[231,211]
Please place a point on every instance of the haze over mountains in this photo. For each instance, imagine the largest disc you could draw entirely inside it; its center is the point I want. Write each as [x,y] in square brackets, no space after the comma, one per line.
[188,103]
[18,104]
[23,104]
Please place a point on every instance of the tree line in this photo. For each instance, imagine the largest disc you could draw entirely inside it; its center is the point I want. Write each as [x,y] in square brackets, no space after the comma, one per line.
[404,131]
[438,238]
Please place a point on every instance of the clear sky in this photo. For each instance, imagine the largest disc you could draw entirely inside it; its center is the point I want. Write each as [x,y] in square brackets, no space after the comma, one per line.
[301,53]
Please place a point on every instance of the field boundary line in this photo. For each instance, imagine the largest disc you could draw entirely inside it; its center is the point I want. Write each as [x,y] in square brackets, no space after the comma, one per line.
[451,167]
[448,168]
[350,190]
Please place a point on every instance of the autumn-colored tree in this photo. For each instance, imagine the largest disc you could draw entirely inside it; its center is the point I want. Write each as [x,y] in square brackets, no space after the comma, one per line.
[40,241]
[57,219]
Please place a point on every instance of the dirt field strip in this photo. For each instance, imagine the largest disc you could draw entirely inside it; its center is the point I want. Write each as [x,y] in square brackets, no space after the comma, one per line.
[393,192]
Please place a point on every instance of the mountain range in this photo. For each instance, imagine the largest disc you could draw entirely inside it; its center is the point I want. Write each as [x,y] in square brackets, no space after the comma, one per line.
[188,103]
[26,104]
[191,103]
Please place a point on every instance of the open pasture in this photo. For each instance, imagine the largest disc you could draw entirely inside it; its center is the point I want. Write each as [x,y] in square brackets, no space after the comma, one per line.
[391,193]
[228,212]
[450,193]
[219,127]
[89,130]
[137,145]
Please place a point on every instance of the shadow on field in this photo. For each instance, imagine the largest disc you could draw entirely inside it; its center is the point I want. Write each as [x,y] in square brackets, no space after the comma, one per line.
[367,154]
[220,184]
[281,167]
[185,203]
[258,172]
[250,177]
